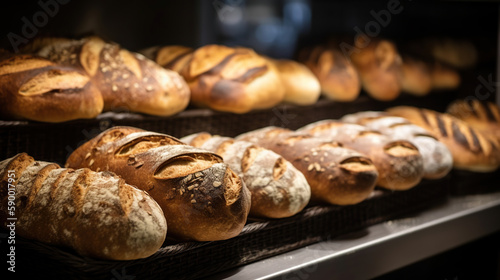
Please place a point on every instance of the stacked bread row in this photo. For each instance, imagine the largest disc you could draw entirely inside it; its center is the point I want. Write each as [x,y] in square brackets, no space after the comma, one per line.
[60,79]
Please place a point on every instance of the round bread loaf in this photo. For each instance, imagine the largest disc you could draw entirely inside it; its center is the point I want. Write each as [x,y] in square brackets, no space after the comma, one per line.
[335,174]
[201,197]
[399,163]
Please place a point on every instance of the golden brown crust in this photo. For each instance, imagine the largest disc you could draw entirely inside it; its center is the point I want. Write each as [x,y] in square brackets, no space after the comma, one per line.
[278,189]
[415,76]
[301,85]
[35,88]
[125,222]
[229,79]
[471,150]
[202,198]
[378,66]
[399,163]
[444,77]
[338,78]
[127,81]
[335,174]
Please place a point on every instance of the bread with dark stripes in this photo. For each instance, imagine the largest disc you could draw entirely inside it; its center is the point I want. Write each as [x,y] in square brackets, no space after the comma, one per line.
[223,78]
[471,149]
[482,115]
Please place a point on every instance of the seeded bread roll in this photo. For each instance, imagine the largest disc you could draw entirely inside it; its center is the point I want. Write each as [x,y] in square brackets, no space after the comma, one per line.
[335,174]
[278,189]
[236,80]
[415,76]
[378,63]
[300,84]
[338,78]
[483,116]
[201,197]
[35,88]
[470,149]
[437,159]
[95,213]
[399,163]
[127,81]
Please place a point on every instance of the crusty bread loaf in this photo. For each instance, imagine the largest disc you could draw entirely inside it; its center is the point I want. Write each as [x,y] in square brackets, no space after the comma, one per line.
[235,80]
[95,213]
[300,84]
[470,149]
[278,189]
[202,198]
[337,76]
[127,81]
[444,77]
[399,163]
[437,159]
[335,174]
[415,76]
[378,64]
[35,88]
[483,116]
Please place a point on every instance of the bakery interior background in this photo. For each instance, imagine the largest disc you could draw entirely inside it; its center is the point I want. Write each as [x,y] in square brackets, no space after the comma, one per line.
[275,28]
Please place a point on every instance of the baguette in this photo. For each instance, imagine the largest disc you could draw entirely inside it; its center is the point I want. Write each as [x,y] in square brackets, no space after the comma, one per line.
[437,159]
[338,78]
[335,174]
[235,80]
[95,213]
[201,197]
[471,150]
[483,116]
[35,88]
[399,163]
[277,188]
[126,80]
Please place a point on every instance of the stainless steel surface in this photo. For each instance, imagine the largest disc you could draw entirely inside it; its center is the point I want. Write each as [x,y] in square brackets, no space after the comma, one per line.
[383,247]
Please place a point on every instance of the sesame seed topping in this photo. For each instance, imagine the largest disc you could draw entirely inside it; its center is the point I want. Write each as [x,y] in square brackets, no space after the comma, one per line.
[217,184]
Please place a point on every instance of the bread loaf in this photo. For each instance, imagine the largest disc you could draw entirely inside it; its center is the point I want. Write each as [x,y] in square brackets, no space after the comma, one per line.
[170,57]
[470,149]
[300,84]
[337,76]
[127,81]
[277,188]
[201,197]
[483,116]
[35,88]
[95,213]
[415,76]
[399,163]
[444,77]
[227,79]
[437,159]
[378,63]
[335,174]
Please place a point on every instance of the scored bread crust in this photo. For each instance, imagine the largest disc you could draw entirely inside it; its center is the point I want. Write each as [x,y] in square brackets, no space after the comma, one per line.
[61,206]
[223,78]
[337,76]
[336,175]
[399,163]
[35,88]
[127,80]
[278,189]
[437,159]
[471,150]
[202,198]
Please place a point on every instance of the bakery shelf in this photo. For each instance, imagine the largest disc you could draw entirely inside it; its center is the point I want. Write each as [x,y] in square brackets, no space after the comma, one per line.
[384,247]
